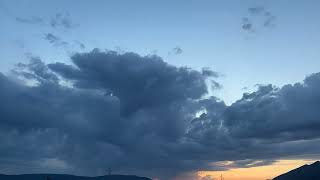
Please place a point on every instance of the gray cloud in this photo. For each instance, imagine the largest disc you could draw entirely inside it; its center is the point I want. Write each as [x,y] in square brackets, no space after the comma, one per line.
[151,105]
[176,50]
[138,82]
[248,27]
[256,10]
[55,40]
[58,21]
[138,114]
[258,18]
[35,70]
[290,111]
[80,44]
[32,20]
[270,20]
[62,20]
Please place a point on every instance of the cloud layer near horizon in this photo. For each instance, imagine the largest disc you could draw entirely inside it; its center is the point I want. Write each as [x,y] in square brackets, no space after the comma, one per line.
[138,114]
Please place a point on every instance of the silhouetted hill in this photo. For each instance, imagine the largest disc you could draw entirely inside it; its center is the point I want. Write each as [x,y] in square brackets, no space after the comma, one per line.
[306,172]
[68,177]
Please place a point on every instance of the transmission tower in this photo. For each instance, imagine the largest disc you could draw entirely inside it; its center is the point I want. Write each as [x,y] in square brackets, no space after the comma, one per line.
[221,177]
[109,171]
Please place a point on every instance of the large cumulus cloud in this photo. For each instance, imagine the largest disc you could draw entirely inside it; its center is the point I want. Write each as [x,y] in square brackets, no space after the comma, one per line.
[138,82]
[138,114]
[122,111]
[270,113]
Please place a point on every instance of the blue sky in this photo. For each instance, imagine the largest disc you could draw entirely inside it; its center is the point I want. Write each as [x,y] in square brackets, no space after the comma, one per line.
[209,32]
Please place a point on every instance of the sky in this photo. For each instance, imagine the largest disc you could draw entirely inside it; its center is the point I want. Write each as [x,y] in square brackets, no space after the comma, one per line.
[197,82]
[259,172]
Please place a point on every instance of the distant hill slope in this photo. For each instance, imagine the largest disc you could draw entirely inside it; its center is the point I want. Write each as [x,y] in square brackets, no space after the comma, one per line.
[68,177]
[306,172]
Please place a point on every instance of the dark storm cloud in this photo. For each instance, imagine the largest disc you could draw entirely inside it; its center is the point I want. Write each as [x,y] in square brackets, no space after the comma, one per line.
[290,112]
[140,115]
[139,82]
[49,115]
[72,124]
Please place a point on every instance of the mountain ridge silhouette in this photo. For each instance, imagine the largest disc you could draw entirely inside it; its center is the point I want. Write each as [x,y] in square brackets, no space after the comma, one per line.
[305,172]
[69,177]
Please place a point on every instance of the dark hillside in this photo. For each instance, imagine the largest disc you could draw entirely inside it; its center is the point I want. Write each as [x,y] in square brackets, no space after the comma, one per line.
[306,172]
[68,177]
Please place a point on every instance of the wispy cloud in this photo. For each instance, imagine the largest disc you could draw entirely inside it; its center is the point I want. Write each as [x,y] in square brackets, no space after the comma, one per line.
[61,21]
[55,40]
[258,18]
[176,51]
[32,20]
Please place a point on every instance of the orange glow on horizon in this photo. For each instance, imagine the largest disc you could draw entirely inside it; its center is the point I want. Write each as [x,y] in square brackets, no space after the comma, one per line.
[257,173]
